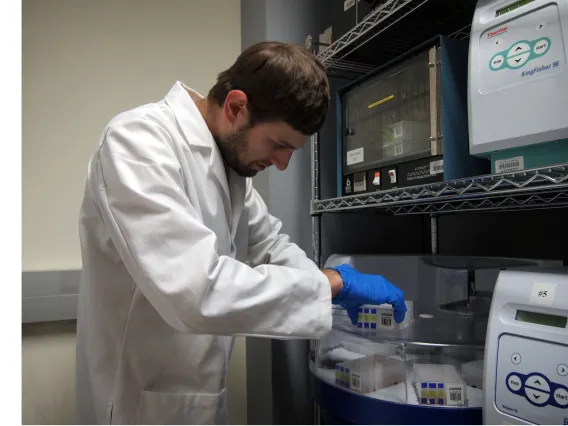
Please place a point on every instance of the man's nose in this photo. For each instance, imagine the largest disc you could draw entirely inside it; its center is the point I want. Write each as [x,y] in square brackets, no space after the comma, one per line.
[282,159]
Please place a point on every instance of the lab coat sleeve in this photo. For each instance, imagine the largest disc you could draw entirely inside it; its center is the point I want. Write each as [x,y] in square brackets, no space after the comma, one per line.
[172,256]
[267,244]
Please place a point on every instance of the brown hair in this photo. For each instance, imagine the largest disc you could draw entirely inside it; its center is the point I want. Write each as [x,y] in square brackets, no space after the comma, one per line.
[283,82]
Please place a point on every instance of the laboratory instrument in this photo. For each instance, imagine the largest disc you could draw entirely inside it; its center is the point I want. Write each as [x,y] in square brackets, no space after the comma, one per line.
[427,370]
[518,84]
[526,354]
[405,123]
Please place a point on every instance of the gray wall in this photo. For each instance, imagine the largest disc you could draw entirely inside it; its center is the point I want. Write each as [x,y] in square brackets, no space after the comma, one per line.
[289,199]
[290,192]
[253,30]
[286,194]
[277,371]
[259,352]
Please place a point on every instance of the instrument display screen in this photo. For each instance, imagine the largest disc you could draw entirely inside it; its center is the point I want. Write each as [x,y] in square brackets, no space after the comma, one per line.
[541,319]
[512,7]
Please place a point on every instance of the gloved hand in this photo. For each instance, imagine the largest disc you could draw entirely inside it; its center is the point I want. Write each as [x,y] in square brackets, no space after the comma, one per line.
[363,289]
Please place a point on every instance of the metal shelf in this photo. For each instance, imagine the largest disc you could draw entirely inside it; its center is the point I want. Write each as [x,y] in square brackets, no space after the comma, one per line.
[393,28]
[462,33]
[528,190]
[356,37]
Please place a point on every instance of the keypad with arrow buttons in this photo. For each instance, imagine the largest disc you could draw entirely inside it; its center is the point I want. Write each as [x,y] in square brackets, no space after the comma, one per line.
[519,54]
[538,390]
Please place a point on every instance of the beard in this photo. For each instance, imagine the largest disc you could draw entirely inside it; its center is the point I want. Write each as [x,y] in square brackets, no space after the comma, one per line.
[234,149]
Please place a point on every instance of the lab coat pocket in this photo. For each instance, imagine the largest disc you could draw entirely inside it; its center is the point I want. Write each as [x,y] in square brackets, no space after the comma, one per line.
[157,408]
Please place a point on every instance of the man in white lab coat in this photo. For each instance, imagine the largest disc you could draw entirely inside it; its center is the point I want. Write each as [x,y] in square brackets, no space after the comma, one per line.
[180,253]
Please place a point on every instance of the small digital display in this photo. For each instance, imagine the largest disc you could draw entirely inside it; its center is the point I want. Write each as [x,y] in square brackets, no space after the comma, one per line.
[542,319]
[512,7]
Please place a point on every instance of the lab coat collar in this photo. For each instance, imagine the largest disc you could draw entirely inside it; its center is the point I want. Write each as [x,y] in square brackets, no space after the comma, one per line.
[181,99]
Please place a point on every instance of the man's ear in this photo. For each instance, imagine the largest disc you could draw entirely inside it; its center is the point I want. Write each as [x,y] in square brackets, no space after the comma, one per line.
[235,107]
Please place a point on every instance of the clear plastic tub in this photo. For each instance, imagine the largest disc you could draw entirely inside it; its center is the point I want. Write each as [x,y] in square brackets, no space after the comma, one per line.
[438,349]
[384,365]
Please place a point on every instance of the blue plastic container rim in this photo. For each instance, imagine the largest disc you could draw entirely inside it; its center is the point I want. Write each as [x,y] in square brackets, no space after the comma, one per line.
[361,409]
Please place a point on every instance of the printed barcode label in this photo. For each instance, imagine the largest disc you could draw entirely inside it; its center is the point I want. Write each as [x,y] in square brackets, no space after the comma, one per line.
[455,395]
[437,167]
[355,381]
[386,321]
[398,149]
[509,165]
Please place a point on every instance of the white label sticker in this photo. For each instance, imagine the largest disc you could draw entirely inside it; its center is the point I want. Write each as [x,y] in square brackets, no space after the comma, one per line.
[377,179]
[386,320]
[455,394]
[509,165]
[437,167]
[355,156]
[348,189]
[348,4]
[543,294]
[360,182]
[356,381]
[397,130]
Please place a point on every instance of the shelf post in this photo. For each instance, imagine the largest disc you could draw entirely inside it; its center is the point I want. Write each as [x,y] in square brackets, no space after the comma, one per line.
[316,236]
[434,232]
[316,218]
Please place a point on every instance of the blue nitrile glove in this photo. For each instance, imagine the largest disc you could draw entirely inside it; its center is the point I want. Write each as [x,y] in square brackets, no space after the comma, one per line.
[364,289]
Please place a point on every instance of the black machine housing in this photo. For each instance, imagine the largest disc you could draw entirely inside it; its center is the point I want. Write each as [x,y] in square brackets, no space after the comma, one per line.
[406,123]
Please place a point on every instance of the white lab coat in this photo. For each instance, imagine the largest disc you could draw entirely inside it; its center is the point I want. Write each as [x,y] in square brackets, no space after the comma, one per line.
[166,234]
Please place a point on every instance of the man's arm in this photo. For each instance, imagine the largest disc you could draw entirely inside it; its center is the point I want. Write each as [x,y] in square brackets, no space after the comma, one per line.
[267,244]
[172,256]
[349,288]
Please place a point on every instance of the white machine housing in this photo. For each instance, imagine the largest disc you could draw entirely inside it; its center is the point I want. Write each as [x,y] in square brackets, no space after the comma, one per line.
[518,83]
[526,362]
